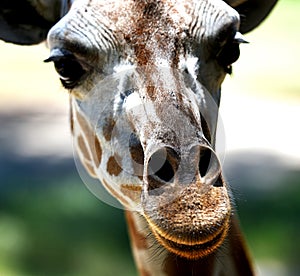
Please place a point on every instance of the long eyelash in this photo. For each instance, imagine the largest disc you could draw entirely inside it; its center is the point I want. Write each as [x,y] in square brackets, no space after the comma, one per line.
[239,38]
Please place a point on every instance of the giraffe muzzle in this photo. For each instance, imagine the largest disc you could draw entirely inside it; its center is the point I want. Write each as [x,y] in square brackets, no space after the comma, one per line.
[185,200]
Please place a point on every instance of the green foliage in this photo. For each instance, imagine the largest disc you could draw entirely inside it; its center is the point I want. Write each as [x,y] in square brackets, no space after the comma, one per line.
[270,220]
[59,228]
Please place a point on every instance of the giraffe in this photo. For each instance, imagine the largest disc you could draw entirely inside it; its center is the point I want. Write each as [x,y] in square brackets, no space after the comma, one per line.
[145,78]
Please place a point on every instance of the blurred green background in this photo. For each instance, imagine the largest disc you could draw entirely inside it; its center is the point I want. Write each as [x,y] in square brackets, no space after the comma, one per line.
[50,224]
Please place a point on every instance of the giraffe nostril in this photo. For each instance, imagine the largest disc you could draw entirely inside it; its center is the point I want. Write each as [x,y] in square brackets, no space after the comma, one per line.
[209,166]
[164,173]
[205,159]
[161,168]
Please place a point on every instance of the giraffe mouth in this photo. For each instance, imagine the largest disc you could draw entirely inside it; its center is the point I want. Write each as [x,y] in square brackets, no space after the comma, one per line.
[197,249]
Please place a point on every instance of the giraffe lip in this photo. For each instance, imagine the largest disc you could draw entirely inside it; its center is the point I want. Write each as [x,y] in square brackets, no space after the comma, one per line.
[196,250]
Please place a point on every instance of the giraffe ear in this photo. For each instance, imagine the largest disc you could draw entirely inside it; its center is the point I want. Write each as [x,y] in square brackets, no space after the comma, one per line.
[27,22]
[252,12]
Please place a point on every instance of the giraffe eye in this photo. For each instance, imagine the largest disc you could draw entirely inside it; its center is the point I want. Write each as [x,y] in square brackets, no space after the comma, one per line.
[229,54]
[68,68]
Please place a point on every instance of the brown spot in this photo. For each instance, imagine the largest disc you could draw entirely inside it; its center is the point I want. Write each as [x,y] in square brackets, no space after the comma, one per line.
[137,239]
[113,167]
[83,148]
[85,126]
[151,91]
[97,151]
[132,191]
[136,149]
[95,146]
[92,139]
[137,155]
[108,127]
[143,55]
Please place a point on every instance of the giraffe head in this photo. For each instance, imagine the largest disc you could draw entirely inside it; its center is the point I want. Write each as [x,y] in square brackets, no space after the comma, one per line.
[145,80]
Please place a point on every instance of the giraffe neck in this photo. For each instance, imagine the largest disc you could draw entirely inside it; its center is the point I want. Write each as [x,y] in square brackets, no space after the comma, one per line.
[153,260]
